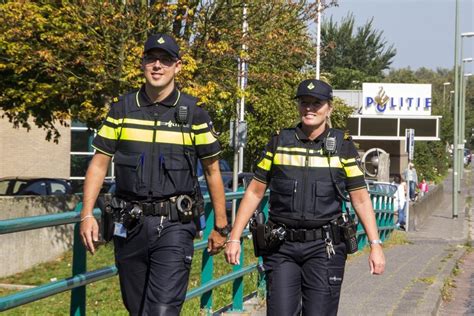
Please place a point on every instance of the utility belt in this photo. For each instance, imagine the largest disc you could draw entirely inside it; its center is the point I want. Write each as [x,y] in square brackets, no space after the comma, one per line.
[182,208]
[268,237]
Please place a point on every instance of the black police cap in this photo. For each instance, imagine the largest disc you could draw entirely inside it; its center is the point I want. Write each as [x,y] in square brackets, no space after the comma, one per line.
[315,88]
[164,42]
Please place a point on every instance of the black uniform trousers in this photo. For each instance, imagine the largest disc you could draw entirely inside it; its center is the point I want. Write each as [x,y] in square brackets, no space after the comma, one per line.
[154,269]
[301,278]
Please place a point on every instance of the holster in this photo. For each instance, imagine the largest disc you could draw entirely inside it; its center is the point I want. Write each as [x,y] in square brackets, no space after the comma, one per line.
[264,235]
[107,218]
[348,229]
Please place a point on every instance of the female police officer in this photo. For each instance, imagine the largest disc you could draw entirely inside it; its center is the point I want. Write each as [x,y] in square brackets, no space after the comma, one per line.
[307,168]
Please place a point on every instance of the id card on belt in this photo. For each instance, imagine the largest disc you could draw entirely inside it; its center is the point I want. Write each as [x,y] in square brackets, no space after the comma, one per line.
[120,230]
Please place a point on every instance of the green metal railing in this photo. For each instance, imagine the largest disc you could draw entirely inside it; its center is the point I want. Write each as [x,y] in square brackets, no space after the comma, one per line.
[383,206]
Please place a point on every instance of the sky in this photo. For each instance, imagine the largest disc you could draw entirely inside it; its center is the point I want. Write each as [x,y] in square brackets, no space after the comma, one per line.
[422,31]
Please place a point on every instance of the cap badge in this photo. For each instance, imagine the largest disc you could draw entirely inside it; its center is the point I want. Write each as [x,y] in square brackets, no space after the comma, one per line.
[311,86]
[160,40]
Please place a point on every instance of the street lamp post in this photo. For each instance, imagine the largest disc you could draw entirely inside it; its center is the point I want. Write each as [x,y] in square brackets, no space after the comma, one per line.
[444,94]
[463,105]
[318,40]
[461,121]
[455,123]
[461,114]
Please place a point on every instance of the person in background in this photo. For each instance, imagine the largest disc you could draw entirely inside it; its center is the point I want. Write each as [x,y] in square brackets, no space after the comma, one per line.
[423,186]
[400,201]
[412,179]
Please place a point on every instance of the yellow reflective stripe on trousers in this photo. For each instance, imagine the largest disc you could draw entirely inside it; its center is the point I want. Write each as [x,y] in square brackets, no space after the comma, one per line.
[300,160]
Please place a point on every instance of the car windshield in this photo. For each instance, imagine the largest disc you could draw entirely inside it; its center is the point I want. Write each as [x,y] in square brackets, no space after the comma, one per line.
[385,188]
[4,187]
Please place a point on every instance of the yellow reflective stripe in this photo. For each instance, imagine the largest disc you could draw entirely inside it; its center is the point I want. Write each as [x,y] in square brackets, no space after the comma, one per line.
[265,164]
[164,137]
[299,150]
[168,137]
[269,154]
[200,126]
[138,122]
[204,138]
[136,134]
[353,171]
[347,161]
[113,121]
[109,132]
[300,161]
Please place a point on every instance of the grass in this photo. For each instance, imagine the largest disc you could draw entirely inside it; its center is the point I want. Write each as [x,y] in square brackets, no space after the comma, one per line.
[428,280]
[103,297]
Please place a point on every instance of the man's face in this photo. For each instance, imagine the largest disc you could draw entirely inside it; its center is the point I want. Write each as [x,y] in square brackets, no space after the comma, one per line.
[160,68]
[313,112]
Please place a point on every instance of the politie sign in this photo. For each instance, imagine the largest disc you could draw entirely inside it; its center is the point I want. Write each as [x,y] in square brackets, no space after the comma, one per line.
[396,99]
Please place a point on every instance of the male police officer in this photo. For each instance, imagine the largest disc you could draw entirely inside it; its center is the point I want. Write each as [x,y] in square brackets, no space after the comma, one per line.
[155,136]
[307,169]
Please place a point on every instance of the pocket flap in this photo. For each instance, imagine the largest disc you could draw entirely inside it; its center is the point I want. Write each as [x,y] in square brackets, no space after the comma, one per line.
[174,163]
[282,186]
[324,188]
[127,159]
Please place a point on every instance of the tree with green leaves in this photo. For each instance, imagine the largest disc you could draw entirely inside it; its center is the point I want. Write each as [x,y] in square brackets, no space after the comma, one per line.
[67,60]
[353,55]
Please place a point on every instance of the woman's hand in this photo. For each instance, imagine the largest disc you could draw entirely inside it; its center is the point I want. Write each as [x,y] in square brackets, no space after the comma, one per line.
[376,259]
[232,251]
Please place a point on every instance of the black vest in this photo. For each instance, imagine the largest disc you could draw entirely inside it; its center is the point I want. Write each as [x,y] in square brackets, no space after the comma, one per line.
[155,156]
[302,185]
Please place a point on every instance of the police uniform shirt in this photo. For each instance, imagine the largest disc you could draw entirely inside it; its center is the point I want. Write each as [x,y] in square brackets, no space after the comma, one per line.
[348,156]
[118,126]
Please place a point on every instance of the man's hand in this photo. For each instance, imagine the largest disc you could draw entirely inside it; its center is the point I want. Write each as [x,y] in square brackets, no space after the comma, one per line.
[89,233]
[215,243]
[376,259]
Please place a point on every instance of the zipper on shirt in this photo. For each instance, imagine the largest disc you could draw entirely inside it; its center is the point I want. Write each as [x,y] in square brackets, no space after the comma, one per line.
[150,190]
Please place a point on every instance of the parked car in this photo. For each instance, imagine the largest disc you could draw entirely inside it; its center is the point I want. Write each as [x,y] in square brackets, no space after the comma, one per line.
[34,186]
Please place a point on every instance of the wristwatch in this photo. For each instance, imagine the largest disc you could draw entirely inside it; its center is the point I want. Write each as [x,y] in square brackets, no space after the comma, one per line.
[375,241]
[224,231]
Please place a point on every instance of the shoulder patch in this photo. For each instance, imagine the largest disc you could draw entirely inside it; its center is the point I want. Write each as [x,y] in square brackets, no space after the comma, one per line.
[214,133]
[347,136]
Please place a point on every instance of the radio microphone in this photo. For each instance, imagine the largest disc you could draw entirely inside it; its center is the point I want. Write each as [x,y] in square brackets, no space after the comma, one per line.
[330,145]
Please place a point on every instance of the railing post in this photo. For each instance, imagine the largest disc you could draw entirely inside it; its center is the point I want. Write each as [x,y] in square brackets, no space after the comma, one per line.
[238,284]
[79,266]
[207,261]
[238,287]
[262,281]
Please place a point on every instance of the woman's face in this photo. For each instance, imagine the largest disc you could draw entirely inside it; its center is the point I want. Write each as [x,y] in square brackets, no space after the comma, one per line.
[313,112]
